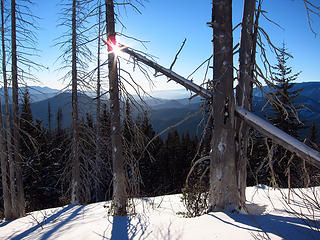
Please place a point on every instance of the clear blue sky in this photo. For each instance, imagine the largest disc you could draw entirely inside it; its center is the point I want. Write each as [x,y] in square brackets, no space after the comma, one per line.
[166,23]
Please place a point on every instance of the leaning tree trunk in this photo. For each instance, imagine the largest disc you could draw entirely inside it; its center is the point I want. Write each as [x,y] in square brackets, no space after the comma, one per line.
[17,194]
[223,184]
[76,180]
[244,94]
[119,175]
[4,157]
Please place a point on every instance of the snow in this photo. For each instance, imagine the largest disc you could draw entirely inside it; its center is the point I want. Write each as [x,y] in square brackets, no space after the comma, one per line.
[159,218]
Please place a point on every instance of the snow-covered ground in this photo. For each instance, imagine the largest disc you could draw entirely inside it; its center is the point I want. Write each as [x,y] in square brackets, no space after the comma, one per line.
[156,218]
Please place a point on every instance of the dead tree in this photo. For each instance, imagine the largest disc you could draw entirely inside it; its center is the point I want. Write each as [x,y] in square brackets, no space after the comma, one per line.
[98,109]
[17,192]
[223,193]
[244,92]
[5,158]
[4,171]
[22,47]
[119,175]
[75,57]
[76,179]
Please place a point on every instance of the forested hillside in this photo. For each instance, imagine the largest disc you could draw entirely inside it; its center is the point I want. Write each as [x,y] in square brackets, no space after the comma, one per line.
[167,112]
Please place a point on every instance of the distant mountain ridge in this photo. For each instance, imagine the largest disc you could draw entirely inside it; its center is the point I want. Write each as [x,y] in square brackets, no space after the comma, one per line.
[164,112]
[36,93]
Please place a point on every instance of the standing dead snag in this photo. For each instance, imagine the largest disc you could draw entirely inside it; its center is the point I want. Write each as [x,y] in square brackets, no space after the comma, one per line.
[223,193]
[76,179]
[17,191]
[98,111]
[119,175]
[5,159]
[244,93]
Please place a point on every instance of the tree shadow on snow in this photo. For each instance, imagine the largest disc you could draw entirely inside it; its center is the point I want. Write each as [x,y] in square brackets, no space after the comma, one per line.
[62,223]
[285,227]
[128,227]
[120,227]
[50,219]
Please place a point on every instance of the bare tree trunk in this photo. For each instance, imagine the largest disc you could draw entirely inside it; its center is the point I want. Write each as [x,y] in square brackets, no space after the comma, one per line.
[223,191]
[244,94]
[119,176]
[17,159]
[4,172]
[4,157]
[98,114]
[76,180]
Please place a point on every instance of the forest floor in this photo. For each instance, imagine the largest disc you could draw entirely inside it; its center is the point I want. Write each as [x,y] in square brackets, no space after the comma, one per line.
[270,217]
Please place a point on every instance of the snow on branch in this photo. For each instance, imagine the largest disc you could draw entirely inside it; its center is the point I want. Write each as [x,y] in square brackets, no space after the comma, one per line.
[280,137]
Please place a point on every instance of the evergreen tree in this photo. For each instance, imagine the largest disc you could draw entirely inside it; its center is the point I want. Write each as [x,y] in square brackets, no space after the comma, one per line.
[106,151]
[284,106]
[26,120]
[127,130]
[312,174]
[132,146]
[29,152]
[27,129]
[189,149]
[284,113]
[313,133]
[59,120]
[174,161]
[49,116]
[149,164]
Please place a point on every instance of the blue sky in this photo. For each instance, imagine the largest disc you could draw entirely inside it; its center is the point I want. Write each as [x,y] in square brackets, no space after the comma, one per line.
[166,23]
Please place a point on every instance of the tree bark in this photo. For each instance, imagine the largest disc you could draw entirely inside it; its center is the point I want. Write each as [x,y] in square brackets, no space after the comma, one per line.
[119,175]
[223,193]
[244,94]
[4,154]
[76,180]
[19,196]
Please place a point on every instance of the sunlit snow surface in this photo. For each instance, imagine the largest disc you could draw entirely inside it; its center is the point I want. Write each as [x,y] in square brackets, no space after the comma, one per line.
[156,218]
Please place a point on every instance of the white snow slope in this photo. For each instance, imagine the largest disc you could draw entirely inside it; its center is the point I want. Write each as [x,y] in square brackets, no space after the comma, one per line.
[156,218]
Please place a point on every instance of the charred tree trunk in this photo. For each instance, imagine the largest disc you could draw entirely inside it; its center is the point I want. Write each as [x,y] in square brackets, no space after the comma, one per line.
[244,93]
[223,191]
[17,194]
[119,175]
[76,180]
[3,156]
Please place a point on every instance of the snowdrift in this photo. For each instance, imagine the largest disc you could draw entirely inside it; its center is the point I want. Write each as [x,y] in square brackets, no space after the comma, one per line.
[270,217]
